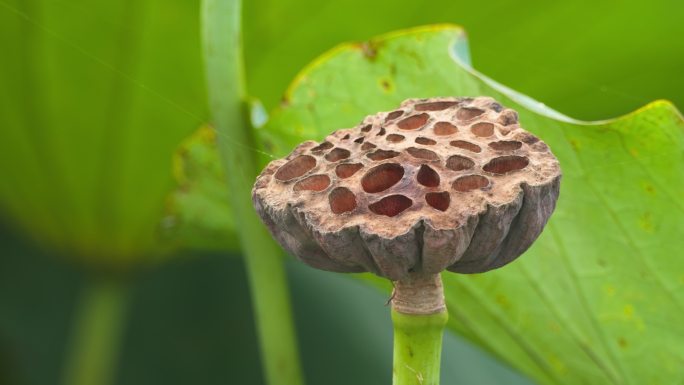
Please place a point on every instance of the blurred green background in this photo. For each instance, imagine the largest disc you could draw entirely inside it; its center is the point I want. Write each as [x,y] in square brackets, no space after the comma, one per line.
[95,97]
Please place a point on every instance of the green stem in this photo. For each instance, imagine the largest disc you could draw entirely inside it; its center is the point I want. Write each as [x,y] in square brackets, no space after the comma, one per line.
[417,347]
[221,33]
[419,317]
[92,353]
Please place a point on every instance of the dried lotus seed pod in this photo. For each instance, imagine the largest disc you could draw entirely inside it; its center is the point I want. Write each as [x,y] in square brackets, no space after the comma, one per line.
[442,183]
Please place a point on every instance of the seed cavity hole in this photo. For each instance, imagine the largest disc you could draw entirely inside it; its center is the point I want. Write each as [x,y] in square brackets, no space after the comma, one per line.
[322,147]
[445,128]
[497,107]
[341,200]
[462,144]
[393,115]
[368,146]
[458,163]
[413,122]
[508,117]
[422,153]
[395,138]
[482,129]
[540,147]
[506,164]
[427,176]
[469,183]
[438,200]
[382,154]
[425,141]
[337,154]
[434,106]
[366,128]
[529,139]
[382,177]
[313,183]
[381,132]
[359,140]
[468,113]
[391,206]
[345,170]
[505,145]
[295,168]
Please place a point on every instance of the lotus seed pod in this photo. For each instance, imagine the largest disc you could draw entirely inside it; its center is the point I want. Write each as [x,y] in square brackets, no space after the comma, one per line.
[442,183]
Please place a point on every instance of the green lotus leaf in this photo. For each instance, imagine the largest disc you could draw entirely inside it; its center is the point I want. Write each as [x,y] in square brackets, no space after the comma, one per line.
[599,298]
[92,107]
[199,213]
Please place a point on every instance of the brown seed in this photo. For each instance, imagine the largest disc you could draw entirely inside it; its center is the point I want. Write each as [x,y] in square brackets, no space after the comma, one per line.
[345,170]
[470,182]
[468,113]
[393,115]
[427,176]
[295,167]
[482,129]
[422,153]
[438,200]
[506,164]
[445,128]
[382,154]
[425,141]
[313,183]
[382,177]
[458,163]
[342,200]
[337,154]
[322,147]
[465,145]
[391,206]
[367,146]
[435,106]
[413,122]
[505,145]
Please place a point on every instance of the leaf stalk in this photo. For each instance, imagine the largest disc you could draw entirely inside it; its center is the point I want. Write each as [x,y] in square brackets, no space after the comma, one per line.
[222,44]
[100,316]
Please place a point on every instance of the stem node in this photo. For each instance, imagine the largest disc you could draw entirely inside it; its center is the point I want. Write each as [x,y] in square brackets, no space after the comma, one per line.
[419,293]
[419,316]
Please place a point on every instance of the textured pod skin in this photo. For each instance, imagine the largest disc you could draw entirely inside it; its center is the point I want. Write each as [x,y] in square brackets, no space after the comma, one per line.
[442,183]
